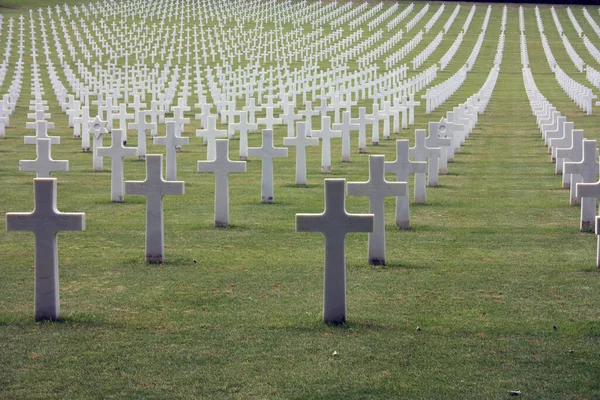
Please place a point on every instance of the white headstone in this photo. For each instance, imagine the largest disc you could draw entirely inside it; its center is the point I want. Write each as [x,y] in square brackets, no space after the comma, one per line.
[221,166]
[154,187]
[43,165]
[377,189]
[326,134]
[301,142]
[402,167]
[267,152]
[116,152]
[334,223]
[45,222]
[171,141]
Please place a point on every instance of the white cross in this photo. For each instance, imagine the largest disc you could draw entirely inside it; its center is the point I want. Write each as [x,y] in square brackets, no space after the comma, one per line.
[142,126]
[116,152]
[301,142]
[122,117]
[244,127]
[80,127]
[221,166]
[410,104]
[422,153]
[45,222]
[346,127]
[363,120]
[572,154]
[587,168]
[43,165]
[326,134]
[307,114]
[402,166]
[171,141]
[41,132]
[334,223]
[267,152]
[289,118]
[269,120]
[210,135]
[154,187]
[377,189]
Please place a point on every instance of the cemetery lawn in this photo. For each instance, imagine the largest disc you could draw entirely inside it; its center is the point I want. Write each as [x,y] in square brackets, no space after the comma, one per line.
[493,289]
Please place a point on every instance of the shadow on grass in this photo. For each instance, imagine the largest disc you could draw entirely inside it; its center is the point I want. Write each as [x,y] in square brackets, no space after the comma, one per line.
[307,186]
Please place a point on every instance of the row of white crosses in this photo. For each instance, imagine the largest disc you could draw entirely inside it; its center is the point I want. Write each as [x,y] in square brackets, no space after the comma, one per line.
[8,100]
[576,158]
[580,94]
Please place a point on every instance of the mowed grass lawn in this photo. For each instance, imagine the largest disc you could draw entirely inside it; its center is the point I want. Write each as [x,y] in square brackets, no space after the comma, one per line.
[493,290]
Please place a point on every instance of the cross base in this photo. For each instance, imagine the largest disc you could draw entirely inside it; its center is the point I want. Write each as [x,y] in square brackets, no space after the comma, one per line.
[375,143]
[339,321]
[362,150]
[587,226]
[376,261]
[267,200]
[85,149]
[243,158]
[76,136]
[178,149]
[326,170]
[155,258]
[141,158]
[219,224]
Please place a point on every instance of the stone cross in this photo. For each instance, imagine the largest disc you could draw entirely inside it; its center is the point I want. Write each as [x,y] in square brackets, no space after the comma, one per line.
[572,153]
[377,189]
[43,165]
[422,153]
[289,118]
[410,104]
[244,127]
[97,128]
[326,134]
[267,152]
[221,166]
[307,114]
[154,187]
[171,141]
[210,135]
[269,120]
[346,127]
[142,127]
[45,222]
[334,223]
[301,142]
[588,169]
[116,152]
[363,120]
[41,132]
[402,167]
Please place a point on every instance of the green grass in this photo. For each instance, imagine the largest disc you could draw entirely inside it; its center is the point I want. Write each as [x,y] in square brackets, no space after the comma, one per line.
[494,260]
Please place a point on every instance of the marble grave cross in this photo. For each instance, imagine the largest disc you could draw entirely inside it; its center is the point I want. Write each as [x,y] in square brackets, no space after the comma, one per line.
[402,166]
[334,223]
[116,152]
[326,134]
[154,187]
[43,165]
[423,153]
[171,141]
[267,152]
[377,189]
[221,166]
[45,222]
[346,126]
[588,169]
[301,142]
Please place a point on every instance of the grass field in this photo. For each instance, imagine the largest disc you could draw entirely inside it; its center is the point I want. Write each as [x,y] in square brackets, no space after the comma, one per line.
[493,262]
